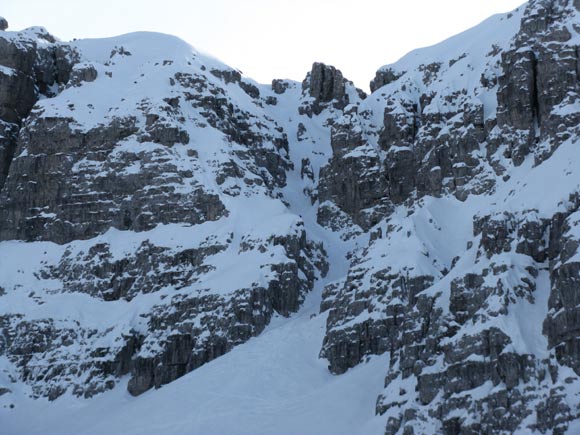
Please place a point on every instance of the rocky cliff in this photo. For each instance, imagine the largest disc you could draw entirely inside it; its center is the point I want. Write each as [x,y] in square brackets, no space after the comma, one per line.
[158,209]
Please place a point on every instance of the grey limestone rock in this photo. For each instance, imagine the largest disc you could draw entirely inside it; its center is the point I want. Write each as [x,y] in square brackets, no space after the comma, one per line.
[384,77]
[279,86]
[119,200]
[30,71]
[540,72]
[326,83]
[327,88]
[340,183]
[82,73]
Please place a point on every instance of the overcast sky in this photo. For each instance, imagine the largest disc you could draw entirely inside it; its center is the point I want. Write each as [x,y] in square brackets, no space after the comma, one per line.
[269,39]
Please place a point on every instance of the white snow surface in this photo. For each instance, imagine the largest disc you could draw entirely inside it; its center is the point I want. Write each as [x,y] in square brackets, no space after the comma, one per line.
[274,384]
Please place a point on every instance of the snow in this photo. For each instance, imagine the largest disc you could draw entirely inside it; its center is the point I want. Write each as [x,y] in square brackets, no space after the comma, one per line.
[6,70]
[275,383]
[462,60]
[472,45]
[141,64]
[543,187]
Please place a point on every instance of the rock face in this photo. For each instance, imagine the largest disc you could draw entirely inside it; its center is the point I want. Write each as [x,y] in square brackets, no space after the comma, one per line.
[326,83]
[145,198]
[31,66]
[446,317]
[175,210]
[561,325]
[359,197]
[540,77]
[327,88]
[66,165]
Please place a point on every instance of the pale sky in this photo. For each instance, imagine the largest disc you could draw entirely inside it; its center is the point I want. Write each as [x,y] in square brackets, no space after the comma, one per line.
[268,39]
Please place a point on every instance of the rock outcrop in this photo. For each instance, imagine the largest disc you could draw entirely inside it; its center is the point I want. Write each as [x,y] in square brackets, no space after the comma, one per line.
[30,66]
[327,89]
[144,198]
[454,323]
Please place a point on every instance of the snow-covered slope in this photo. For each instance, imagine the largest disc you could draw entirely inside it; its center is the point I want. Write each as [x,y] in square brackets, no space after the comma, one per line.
[157,212]
[187,251]
[275,383]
